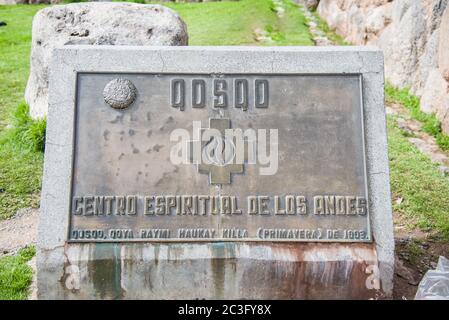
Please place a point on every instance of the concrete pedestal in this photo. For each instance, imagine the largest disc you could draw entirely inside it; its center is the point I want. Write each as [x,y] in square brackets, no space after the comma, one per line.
[212,271]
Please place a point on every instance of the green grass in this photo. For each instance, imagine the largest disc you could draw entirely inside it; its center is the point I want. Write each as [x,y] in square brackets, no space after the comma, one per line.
[416,179]
[20,177]
[233,22]
[15,44]
[291,29]
[16,275]
[21,155]
[20,147]
[27,133]
[430,124]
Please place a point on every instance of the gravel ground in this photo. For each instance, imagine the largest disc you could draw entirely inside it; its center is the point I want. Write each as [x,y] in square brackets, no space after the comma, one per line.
[19,231]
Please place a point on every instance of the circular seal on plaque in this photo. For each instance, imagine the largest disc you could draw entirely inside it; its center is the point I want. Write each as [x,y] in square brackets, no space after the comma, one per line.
[119,93]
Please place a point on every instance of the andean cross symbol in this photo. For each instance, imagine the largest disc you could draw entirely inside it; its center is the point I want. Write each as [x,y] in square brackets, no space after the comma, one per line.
[220,173]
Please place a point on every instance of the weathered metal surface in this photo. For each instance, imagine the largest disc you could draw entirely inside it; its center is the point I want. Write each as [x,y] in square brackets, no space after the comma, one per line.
[126,187]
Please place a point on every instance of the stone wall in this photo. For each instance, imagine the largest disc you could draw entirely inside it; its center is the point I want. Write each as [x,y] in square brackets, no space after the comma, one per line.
[414,35]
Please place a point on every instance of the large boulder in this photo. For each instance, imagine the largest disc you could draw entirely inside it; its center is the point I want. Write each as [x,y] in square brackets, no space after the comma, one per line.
[404,42]
[358,21]
[100,23]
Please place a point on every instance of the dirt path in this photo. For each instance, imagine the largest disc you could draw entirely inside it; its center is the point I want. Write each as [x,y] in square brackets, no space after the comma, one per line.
[19,231]
[318,36]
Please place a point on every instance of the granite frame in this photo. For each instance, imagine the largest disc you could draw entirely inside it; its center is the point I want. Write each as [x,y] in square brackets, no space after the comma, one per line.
[68,61]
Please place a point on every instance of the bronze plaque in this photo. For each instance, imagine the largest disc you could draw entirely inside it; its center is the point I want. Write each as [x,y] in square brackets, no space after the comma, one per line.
[219,157]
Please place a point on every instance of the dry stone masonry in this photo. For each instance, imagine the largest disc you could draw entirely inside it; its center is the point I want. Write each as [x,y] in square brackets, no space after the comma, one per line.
[414,35]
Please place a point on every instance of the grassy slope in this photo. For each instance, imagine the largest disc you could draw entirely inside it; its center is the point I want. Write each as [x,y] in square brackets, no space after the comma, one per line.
[430,123]
[331,35]
[20,169]
[232,22]
[20,178]
[416,179]
[15,41]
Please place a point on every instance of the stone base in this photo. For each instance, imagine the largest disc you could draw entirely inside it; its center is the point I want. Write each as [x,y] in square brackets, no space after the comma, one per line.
[212,271]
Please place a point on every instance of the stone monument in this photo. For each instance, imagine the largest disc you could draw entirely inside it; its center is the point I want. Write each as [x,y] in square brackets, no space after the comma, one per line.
[216,172]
